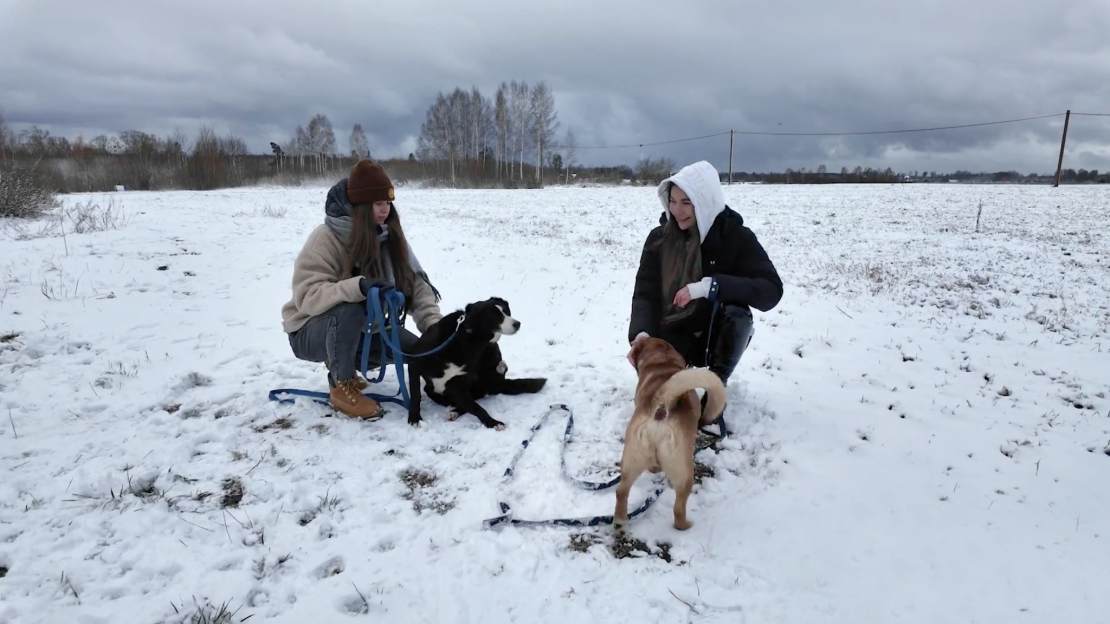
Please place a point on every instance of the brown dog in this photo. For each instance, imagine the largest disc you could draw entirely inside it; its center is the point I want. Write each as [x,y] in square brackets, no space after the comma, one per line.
[664,424]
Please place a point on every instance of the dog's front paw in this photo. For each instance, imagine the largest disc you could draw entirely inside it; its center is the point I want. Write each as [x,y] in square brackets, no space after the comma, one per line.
[499,427]
[415,420]
[683,524]
[452,414]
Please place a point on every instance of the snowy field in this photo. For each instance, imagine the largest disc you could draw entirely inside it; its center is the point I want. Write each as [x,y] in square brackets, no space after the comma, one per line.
[922,429]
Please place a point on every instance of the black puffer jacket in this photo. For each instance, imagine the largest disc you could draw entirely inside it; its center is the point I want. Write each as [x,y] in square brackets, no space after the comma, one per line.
[731,254]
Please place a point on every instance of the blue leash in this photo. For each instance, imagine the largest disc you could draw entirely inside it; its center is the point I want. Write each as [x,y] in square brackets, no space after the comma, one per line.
[386,322]
[506,516]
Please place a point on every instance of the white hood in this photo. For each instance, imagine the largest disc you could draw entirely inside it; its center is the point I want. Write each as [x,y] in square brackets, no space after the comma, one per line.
[702,183]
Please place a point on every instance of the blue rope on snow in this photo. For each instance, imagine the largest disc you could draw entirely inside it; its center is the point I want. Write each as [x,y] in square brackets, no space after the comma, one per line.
[506,516]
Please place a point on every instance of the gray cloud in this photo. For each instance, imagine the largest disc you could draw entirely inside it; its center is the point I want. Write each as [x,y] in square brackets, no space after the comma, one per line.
[623,73]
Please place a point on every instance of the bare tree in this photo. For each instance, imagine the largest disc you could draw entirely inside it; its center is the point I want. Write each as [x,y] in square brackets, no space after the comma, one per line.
[545,121]
[234,150]
[439,139]
[357,143]
[5,137]
[481,111]
[474,112]
[205,166]
[653,171]
[571,147]
[521,115]
[501,125]
[300,146]
[321,140]
[459,124]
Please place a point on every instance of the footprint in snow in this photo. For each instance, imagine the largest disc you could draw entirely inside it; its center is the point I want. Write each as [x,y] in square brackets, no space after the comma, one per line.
[331,567]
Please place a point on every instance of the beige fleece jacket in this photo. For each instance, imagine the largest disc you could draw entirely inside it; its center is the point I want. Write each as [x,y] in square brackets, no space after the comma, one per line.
[319,285]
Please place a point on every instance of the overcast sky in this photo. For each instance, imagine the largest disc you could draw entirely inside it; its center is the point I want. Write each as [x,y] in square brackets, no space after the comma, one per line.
[622,72]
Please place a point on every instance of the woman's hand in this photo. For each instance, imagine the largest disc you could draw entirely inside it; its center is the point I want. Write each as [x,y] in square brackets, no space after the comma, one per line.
[689,292]
[366,284]
[682,297]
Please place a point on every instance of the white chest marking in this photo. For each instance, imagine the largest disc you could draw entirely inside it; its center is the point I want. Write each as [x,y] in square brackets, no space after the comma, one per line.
[453,370]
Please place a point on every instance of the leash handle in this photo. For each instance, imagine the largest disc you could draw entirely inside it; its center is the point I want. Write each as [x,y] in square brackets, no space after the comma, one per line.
[395,301]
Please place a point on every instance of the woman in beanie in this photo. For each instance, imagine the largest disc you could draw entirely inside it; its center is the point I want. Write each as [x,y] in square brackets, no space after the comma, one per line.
[359,245]
[701,254]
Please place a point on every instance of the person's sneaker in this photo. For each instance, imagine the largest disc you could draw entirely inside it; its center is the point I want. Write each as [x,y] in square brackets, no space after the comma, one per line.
[346,397]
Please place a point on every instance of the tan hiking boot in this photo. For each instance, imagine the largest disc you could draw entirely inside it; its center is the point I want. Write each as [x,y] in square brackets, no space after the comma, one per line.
[346,398]
[361,383]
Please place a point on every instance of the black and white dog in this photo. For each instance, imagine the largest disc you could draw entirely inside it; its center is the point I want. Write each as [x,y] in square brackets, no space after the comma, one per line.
[468,368]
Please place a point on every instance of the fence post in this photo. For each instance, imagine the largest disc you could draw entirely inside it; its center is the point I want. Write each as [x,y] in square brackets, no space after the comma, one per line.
[1063,139]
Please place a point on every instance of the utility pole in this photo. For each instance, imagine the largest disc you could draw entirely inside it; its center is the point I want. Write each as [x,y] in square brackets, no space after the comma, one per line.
[1063,139]
[730,135]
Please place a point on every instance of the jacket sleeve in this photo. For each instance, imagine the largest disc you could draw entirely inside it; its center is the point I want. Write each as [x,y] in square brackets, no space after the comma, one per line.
[315,289]
[759,285]
[646,303]
[423,307]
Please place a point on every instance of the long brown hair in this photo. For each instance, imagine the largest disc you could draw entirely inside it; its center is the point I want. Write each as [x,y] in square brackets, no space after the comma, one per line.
[364,250]
[679,264]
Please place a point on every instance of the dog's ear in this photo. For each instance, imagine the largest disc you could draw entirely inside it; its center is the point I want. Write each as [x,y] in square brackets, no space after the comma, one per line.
[638,349]
[468,320]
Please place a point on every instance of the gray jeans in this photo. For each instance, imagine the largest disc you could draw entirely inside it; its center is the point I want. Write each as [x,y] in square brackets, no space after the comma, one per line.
[336,338]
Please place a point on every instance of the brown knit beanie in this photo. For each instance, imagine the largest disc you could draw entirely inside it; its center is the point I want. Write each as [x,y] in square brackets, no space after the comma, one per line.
[368,183]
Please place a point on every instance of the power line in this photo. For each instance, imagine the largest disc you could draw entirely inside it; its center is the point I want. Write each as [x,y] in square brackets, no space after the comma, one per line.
[1093,114]
[697,138]
[857,133]
[865,132]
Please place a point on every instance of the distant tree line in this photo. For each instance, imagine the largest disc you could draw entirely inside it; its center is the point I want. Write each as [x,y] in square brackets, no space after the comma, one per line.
[861,175]
[466,140]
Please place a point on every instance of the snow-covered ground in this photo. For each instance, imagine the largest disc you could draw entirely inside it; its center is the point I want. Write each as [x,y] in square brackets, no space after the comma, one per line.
[922,430]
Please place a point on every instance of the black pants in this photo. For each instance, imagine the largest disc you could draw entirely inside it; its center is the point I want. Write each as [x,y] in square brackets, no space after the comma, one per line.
[728,337]
[336,338]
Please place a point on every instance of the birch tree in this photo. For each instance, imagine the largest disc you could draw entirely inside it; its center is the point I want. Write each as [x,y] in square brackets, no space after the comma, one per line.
[357,143]
[501,126]
[544,123]
[321,140]
[571,148]
[521,115]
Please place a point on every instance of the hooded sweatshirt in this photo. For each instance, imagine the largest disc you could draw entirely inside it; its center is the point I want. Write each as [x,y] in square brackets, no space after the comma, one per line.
[734,263]
[701,182]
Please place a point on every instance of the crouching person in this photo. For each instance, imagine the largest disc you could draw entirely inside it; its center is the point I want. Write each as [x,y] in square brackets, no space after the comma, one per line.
[360,245]
[701,254]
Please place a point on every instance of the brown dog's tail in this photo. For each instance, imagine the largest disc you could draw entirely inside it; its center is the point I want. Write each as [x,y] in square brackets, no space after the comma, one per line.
[689,379]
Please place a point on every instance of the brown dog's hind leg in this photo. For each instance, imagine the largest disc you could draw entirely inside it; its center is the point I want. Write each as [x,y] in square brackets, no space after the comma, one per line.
[632,466]
[679,468]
